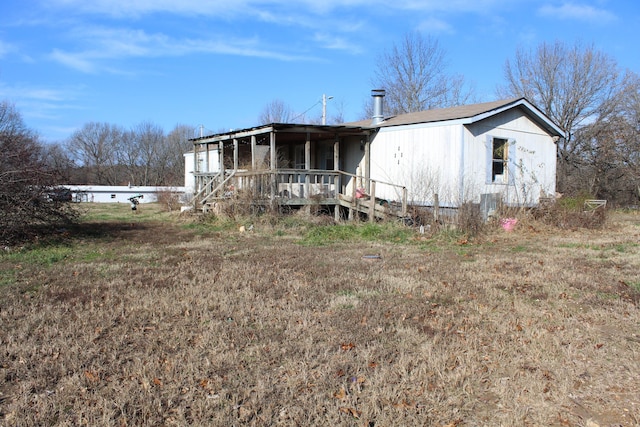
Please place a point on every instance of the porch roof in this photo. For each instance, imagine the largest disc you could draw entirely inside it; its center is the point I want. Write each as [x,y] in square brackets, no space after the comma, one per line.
[287,132]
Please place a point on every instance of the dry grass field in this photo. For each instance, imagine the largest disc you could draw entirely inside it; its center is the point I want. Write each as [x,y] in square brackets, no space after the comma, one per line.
[155,319]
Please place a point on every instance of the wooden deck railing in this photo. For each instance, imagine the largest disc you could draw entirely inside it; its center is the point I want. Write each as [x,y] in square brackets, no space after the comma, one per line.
[305,186]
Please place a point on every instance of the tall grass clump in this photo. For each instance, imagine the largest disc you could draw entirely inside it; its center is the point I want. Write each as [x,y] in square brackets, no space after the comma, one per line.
[572,213]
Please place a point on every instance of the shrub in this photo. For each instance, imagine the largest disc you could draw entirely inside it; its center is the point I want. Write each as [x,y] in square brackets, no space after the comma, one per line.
[170,200]
[571,213]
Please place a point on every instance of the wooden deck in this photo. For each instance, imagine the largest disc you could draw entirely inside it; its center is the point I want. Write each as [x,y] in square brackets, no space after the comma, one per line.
[300,188]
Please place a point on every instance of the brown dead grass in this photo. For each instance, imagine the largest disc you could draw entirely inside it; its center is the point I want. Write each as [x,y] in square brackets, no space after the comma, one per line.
[162,326]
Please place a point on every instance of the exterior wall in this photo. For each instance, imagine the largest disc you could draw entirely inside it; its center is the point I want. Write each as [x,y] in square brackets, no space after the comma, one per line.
[424,158]
[210,164]
[531,159]
[117,194]
[352,160]
[453,160]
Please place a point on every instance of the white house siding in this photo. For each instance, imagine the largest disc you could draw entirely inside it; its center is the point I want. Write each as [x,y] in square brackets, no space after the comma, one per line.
[424,158]
[451,160]
[351,159]
[118,193]
[210,163]
[532,159]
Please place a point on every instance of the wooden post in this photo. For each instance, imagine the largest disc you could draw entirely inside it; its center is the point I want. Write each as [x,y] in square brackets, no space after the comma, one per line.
[307,166]
[253,152]
[367,163]
[274,166]
[221,158]
[235,154]
[354,202]
[336,183]
[372,201]
[196,181]
[436,208]
[404,201]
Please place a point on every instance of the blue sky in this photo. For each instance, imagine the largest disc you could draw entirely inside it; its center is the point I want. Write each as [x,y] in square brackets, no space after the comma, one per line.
[217,63]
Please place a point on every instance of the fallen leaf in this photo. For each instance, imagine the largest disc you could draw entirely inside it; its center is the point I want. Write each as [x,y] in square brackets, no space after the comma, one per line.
[351,411]
[403,405]
[341,394]
[91,376]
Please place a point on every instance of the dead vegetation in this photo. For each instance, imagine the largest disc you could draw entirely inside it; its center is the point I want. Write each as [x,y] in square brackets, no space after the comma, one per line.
[174,323]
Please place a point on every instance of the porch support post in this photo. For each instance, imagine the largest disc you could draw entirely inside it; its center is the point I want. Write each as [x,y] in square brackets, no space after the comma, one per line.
[196,186]
[235,154]
[372,202]
[307,166]
[221,159]
[253,152]
[367,164]
[205,161]
[273,166]
[336,178]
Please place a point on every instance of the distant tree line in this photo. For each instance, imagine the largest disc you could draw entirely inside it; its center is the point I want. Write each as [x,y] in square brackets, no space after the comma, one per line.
[108,154]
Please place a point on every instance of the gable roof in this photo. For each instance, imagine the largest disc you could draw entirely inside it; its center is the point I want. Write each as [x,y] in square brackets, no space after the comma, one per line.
[466,114]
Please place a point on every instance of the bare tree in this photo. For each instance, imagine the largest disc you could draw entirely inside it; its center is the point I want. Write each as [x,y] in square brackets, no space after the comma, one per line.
[276,112]
[414,75]
[148,140]
[28,192]
[57,159]
[573,85]
[96,147]
[610,148]
[177,144]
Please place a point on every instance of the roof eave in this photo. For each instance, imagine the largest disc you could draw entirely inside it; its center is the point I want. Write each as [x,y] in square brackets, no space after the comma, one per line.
[539,116]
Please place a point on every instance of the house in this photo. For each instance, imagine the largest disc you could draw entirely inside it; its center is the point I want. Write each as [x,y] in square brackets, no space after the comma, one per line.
[481,153]
[120,193]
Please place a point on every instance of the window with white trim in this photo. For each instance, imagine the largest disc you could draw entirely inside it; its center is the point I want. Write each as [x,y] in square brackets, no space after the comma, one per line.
[499,160]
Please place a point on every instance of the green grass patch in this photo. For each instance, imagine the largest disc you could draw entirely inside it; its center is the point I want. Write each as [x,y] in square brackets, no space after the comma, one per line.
[634,285]
[39,256]
[121,212]
[322,235]
[12,263]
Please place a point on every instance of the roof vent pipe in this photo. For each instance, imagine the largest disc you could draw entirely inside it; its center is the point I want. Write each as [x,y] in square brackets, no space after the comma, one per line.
[378,111]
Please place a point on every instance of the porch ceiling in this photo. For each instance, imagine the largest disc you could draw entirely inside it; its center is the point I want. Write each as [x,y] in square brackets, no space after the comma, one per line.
[286,133]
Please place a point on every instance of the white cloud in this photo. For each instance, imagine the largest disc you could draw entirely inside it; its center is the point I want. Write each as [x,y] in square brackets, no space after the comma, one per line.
[580,12]
[435,26]
[263,8]
[77,62]
[38,102]
[104,45]
[330,41]
[5,48]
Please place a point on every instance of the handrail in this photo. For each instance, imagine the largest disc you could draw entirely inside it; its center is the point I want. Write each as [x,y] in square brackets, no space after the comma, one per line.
[204,187]
[372,183]
[371,179]
[221,185]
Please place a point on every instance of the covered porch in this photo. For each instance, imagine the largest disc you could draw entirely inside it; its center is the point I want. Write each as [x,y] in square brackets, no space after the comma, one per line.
[294,165]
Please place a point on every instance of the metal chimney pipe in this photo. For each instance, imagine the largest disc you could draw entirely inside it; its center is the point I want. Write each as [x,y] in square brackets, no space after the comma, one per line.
[378,110]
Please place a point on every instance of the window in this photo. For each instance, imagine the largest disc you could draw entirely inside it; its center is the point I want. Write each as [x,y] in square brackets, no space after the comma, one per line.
[500,154]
